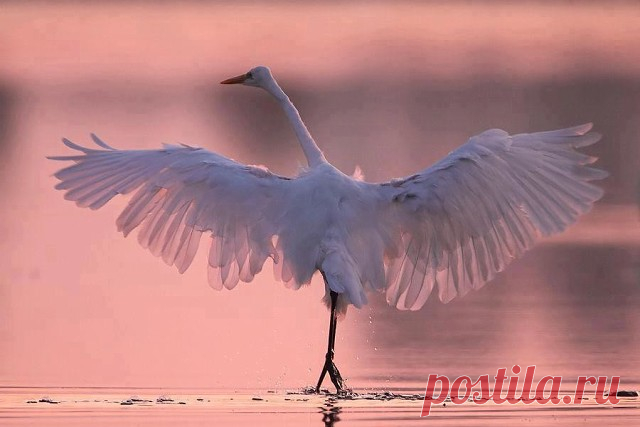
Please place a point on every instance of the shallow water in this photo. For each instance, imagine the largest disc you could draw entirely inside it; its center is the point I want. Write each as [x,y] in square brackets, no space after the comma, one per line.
[107,407]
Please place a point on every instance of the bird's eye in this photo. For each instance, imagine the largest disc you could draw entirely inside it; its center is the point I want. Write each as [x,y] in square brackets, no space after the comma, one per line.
[249,75]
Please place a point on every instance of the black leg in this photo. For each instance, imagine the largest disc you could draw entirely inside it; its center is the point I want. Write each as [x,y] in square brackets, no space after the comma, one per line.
[329,366]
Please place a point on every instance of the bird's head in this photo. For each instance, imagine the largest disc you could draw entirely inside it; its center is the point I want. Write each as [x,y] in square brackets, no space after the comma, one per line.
[258,76]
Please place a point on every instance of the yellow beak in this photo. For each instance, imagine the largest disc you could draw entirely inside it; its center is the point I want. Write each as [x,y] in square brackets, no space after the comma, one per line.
[235,80]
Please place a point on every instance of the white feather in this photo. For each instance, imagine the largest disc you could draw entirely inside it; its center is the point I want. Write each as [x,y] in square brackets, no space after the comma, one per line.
[452,226]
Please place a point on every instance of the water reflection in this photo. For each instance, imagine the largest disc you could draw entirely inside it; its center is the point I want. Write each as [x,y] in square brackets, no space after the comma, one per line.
[330,413]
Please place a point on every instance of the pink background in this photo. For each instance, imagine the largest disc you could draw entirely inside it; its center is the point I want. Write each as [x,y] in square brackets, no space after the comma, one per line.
[391,88]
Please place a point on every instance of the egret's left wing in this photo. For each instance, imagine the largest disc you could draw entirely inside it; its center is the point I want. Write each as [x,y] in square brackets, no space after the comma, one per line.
[183,192]
[465,218]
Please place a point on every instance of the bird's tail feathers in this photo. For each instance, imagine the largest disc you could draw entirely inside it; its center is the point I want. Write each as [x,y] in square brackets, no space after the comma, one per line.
[340,274]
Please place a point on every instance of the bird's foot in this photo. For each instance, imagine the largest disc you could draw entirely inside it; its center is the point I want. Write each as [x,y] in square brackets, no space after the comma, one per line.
[331,368]
[336,378]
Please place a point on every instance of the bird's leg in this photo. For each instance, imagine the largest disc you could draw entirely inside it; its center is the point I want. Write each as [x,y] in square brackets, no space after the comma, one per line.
[329,366]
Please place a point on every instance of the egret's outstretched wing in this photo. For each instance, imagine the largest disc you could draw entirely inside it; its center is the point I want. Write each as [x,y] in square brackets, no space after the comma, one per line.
[182,192]
[466,217]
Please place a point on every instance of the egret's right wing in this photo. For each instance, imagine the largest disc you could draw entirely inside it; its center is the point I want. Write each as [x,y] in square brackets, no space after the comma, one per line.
[465,218]
[182,192]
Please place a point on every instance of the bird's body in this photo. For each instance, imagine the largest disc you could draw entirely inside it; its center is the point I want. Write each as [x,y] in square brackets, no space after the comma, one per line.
[450,227]
[324,233]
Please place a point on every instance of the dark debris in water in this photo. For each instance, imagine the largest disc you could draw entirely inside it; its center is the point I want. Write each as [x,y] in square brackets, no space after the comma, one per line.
[135,400]
[161,400]
[332,398]
[288,399]
[626,393]
[308,390]
[384,396]
[48,400]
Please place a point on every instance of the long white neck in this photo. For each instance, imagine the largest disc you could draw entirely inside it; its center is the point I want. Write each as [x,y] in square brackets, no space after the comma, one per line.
[311,151]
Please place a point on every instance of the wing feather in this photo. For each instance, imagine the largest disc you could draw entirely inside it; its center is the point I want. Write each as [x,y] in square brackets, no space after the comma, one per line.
[452,226]
[181,192]
[482,206]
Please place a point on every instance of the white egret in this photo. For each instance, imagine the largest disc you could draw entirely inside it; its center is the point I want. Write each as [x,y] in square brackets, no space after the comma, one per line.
[452,226]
